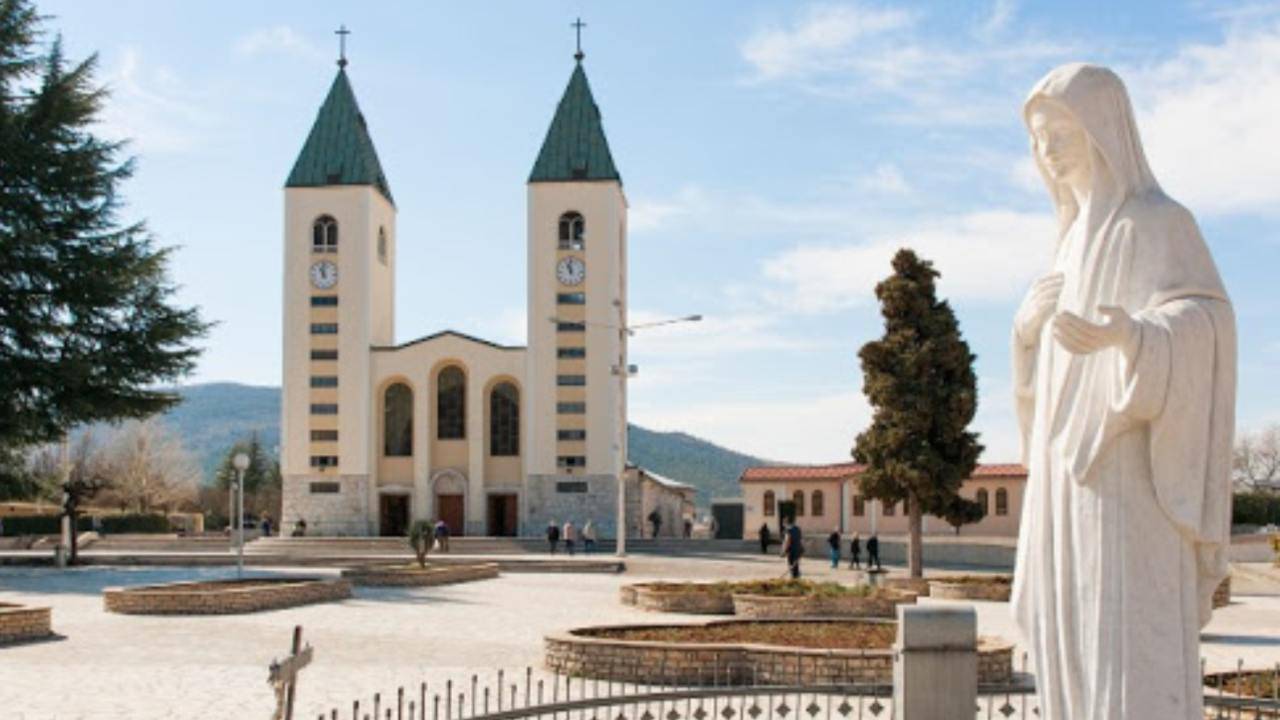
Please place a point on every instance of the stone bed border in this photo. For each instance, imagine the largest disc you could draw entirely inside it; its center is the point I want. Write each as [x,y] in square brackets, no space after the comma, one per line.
[647,597]
[881,604]
[577,654]
[405,576]
[21,623]
[943,589]
[172,599]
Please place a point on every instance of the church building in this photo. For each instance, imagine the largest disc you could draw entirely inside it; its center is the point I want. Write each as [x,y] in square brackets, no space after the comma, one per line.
[492,439]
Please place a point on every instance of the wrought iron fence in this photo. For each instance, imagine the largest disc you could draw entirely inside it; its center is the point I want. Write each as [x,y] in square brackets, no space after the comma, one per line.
[734,695]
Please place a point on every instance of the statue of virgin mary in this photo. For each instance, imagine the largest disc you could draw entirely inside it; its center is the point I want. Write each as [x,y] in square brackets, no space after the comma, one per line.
[1124,366]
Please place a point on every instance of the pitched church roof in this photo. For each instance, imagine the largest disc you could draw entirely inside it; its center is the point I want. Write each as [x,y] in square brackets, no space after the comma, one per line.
[339,150]
[575,148]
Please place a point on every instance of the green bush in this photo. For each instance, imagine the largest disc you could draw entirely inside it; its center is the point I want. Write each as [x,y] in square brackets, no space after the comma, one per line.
[135,523]
[1255,508]
[40,525]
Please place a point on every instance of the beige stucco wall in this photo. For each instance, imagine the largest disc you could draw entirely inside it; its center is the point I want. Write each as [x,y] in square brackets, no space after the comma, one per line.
[603,208]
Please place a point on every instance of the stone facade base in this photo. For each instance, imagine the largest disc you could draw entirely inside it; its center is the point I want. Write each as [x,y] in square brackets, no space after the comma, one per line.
[223,597]
[19,623]
[879,604]
[332,505]
[571,498]
[405,576]
[579,654]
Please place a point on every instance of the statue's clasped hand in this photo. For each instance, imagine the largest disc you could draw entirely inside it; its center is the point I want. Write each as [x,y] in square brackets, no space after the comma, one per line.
[1082,337]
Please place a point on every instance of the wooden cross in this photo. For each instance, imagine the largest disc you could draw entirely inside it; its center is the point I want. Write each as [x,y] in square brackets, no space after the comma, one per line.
[342,32]
[283,676]
[578,25]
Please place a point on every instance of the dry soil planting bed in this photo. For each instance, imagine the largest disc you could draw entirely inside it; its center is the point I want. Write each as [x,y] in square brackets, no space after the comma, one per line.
[972,587]
[223,597]
[414,576]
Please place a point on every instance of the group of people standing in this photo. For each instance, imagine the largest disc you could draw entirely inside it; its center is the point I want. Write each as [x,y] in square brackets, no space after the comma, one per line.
[793,548]
[570,535]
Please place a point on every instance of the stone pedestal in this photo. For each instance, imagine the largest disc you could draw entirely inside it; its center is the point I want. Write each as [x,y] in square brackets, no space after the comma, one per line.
[935,668]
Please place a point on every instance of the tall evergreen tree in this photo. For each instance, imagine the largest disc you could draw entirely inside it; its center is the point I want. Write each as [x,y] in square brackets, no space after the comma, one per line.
[88,326]
[919,379]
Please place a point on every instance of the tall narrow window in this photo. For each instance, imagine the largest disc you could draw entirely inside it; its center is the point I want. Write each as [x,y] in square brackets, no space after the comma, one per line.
[382,245]
[504,420]
[890,509]
[1002,501]
[324,235]
[859,506]
[451,404]
[573,231]
[797,498]
[816,503]
[770,501]
[397,426]
[982,500]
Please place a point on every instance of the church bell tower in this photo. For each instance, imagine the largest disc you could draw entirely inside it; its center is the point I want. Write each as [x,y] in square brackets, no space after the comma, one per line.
[577,305]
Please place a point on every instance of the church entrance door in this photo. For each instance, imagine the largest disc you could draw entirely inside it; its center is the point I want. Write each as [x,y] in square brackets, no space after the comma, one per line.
[393,515]
[503,519]
[449,508]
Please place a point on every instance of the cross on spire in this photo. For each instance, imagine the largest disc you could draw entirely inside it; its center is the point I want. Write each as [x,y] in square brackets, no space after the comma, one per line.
[342,32]
[577,25]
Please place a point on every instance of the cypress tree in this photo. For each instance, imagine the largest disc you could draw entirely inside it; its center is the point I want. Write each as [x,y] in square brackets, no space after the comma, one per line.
[88,326]
[919,380]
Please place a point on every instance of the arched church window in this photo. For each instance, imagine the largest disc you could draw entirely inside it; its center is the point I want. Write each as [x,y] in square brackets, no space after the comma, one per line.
[770,500]
[504,420]
[382,245]
[982,500]
[451,404]
[816,504]
[397,425]
[1002,501]
[324,235]
[797,498]
[573,229]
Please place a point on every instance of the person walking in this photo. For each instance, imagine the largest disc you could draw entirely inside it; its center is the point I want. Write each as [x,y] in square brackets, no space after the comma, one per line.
[266,525]
[570,536]
[833,542]
[441,532]
[792,548]
[855,552]
[553,535]
[589,537]
[873,552]
[765,538]
[656,521]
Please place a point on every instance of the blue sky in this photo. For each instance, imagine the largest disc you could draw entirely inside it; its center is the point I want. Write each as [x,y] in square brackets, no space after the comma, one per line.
[774,155]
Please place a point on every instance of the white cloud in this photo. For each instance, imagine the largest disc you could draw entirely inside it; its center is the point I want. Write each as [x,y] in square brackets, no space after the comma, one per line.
[1208,120]
[807,427]
[1001,15]
[152,107]
[280,40]
[819,41]
[715,335]
[647,213]
[885,179]
[986,255]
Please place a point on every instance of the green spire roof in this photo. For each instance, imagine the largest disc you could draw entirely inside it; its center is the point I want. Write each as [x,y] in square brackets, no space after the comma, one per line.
[575,148]
[339,150]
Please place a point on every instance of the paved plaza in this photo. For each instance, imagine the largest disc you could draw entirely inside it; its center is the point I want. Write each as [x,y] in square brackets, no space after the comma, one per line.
[117,666]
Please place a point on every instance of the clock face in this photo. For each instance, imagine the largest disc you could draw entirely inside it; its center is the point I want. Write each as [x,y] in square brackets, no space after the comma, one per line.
[324,274]
[571,271]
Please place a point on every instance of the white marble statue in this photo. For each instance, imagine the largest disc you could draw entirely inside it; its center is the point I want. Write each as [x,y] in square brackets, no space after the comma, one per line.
[1124,366]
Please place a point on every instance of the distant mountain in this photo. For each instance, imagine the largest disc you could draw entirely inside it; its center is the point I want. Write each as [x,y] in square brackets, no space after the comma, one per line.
[212,417]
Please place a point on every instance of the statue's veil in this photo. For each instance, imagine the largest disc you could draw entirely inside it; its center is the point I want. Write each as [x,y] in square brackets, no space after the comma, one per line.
[1097,99]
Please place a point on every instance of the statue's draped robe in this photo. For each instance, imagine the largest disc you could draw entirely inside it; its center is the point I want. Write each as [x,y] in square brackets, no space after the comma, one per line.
[1126,516]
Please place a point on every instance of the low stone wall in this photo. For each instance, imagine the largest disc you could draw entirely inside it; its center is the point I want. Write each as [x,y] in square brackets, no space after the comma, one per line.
[404,576]
[702,664]
[879,604]
[19,623]
[695,602]
[919,586]
[223,597]
[970,590]
[1222,595]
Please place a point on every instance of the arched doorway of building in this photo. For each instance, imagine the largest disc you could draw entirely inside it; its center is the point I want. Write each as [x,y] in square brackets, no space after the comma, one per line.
[450,489]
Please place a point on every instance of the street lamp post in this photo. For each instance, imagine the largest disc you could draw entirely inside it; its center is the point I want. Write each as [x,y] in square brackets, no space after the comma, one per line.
[241,463]
[625,371]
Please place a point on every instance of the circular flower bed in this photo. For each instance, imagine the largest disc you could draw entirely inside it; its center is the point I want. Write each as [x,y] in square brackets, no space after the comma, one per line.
[221,597]
[972,587]
[741,651]
[691,598]
[20,623]
[919,586]
[765,598]
[415,576]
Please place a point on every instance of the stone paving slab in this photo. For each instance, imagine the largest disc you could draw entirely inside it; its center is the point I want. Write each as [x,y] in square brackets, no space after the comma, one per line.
[116,666]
